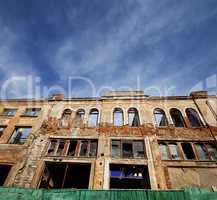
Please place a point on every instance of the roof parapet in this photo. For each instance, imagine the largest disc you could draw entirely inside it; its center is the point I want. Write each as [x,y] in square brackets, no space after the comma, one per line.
[124,94]
[199,94]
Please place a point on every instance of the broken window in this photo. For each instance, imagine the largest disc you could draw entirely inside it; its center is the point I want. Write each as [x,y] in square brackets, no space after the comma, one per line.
[32,112]
[52,147]
[93,149]
[129,177]
[80,114]
[118,117]
[61,147]
[66,116]
[138,149]
[72,148]
[83,148]
[127,149]
[177,117]
[188,151]
[193,117]
[9,111]
[20,135]
[133,117]
[2,128]
[202,153]
[211,148]
[65,175]
[174,151]
[116,148]
[160,117]
[4,171]
[164,151]
[93,118]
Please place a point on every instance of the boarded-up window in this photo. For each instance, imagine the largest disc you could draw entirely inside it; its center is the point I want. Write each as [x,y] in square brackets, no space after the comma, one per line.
[160,117]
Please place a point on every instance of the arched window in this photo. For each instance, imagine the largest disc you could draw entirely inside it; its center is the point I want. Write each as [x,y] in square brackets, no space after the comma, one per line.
[65,117]
[93,118]
[66,114]
[160,117]
[80,114]
[177,117]
[133,117]
[193,117]
[118,117]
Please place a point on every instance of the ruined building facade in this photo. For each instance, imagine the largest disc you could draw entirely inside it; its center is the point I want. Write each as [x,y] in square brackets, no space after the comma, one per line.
[120,140]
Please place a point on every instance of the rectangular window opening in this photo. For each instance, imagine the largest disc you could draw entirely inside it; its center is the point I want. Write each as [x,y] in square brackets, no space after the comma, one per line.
[65,175]
[129,177]
[188,151]
[4,171]
[127,149]
[20,135]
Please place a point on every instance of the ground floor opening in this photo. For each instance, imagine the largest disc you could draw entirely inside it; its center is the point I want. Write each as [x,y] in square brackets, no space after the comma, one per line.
[124,176]
[4,171]
[65,175]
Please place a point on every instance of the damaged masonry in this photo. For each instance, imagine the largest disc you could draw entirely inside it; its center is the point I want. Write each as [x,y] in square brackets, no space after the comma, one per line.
[122,140]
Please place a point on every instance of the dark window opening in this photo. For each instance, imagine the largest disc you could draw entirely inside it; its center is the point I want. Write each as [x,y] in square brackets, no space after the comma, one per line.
[188,151]
[65,175]
[72,148]
[194,118]
[66,116]
[177,117]
[9,111]
[118,117]
[52,147]
[61,147]
[129,177]
[127,149]
[133,117]
[160,117]
[4,171]
[32,112]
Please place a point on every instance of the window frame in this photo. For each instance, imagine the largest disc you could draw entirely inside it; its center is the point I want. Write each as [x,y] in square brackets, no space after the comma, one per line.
[37,110]
[11,115]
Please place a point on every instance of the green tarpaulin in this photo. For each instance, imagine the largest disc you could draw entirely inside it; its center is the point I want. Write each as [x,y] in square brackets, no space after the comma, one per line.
[72,194]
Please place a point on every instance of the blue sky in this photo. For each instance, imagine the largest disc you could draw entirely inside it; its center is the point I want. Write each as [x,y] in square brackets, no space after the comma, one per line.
[168,46]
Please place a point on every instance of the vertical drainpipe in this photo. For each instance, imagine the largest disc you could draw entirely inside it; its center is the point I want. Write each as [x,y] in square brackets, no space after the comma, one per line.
[206,123]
